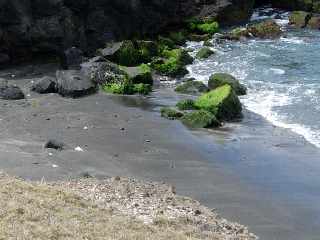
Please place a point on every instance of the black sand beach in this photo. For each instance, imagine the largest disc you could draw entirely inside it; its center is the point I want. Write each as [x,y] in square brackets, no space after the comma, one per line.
[263,176]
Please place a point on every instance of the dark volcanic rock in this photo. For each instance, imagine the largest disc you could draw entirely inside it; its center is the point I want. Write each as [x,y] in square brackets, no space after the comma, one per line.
[72,59]
[54,144]
[31,28]
[10,92]
[45,85]
[74,83]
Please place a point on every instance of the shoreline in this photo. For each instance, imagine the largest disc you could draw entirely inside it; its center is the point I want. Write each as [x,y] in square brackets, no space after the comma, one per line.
[223,162]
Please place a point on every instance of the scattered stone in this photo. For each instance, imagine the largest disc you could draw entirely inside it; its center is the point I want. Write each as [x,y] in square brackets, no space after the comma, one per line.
[10,92]
[73,83]
[45,85]
[54,144]
[220,79]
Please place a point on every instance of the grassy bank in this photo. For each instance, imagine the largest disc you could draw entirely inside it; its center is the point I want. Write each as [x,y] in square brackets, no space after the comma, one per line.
[112,209]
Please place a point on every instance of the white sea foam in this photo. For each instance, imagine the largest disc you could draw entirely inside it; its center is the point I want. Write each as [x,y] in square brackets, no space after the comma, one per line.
[264,102]
[278,71]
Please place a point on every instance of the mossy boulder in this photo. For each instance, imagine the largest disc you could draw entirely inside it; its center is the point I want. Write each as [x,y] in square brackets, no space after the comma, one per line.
[129,53]
[299,19]
[203,26]
[140,74]
[142,89]
[192,87]
[186,104]
[265,29]
[222,102]
[204,53]
[238,34]
[179,38]
[170,113]
[220,79]
[172,63]
[200,119]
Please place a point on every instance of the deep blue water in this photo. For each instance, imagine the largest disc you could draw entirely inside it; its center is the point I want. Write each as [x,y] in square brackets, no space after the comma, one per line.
[282,75]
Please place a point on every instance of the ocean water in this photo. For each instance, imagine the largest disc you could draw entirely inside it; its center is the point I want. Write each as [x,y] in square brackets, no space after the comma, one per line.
[282,75]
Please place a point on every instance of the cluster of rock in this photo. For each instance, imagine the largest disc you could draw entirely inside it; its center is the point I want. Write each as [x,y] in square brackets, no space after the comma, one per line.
[38,28]
[218,102]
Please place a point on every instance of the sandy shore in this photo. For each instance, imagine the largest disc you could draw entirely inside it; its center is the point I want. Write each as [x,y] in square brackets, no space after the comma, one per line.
[242,170]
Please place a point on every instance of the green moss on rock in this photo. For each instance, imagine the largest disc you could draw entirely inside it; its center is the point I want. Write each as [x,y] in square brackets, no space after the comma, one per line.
[170,113]
[220,79]
[142,89]
[204,53]
[187,104]
[222,102]
[172,63]
[200,119]
[192,87]
[140,74]
[207,26]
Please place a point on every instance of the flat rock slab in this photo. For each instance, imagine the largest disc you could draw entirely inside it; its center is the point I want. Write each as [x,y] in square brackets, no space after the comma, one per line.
[74,83]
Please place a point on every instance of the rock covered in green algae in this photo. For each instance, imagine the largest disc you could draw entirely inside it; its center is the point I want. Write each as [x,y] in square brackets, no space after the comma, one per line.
[265,29]
[221,102]
[170,113]
[200,119]
[204,53]
[238,34]
[129,52]
[299,18]
[220,79]
[192,87]
[140,74]
[186,104]
[172,62]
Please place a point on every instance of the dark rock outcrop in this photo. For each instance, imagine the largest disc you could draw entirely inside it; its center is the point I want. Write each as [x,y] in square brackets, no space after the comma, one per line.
[10,92]
[38,28]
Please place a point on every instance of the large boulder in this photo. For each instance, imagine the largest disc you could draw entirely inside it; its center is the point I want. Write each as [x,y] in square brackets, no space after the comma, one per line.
[10,92]
[299,18]
[221,102]
[74,83]
[204,53]
[314,22]
[72,59]
[44,85]
[220,79]
[140,74]
[265,29]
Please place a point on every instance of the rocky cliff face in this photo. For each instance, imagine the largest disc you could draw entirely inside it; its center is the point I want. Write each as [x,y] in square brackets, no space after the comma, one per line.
[32,27]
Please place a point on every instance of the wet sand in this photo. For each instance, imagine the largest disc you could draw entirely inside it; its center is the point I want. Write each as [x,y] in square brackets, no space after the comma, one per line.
[262,176]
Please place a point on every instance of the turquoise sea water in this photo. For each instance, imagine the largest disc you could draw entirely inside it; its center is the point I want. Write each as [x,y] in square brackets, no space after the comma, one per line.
[282,75]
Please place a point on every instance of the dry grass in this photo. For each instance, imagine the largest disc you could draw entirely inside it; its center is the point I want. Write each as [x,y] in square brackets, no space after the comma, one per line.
[38,211]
